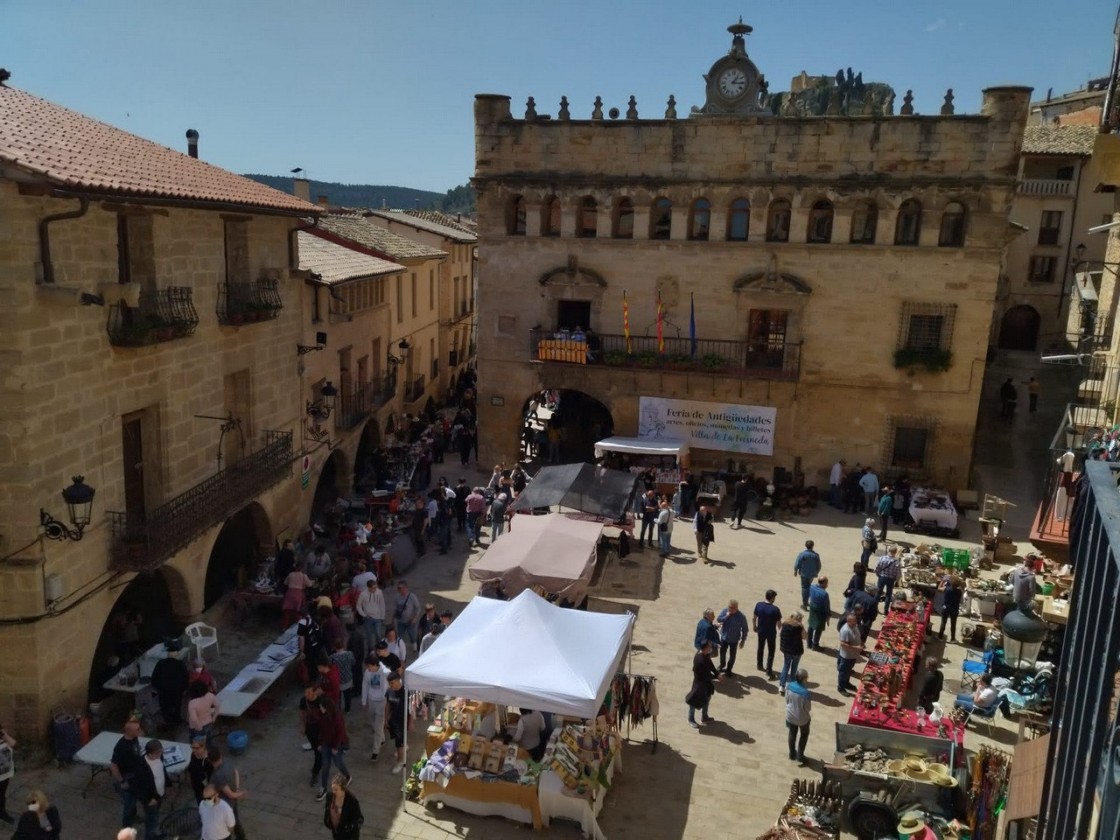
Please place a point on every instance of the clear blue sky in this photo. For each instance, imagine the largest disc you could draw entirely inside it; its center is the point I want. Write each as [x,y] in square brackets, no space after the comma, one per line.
[380,92]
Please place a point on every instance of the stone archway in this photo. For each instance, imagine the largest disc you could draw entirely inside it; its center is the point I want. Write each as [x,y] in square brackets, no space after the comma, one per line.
[335,481]
[581,419]
[244,540]
[365,467]
[1018,329]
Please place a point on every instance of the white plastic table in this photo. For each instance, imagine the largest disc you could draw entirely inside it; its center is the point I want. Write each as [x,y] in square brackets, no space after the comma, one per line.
[944,516]
[146,663]
[258,676]
[98,754]
[556,802]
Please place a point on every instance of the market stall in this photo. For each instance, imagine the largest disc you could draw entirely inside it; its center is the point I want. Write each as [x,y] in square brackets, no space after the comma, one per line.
[933,512]
[667,457]
[523,653]
[554,552]
[587,488]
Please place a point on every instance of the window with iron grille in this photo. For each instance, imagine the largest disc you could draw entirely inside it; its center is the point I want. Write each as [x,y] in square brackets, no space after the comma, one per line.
[909,444]
[927,326]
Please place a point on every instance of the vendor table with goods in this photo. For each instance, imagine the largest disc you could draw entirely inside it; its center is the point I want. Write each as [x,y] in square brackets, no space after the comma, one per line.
[488,777]
[931,506]
[889,669]
[137,676]
[258,676]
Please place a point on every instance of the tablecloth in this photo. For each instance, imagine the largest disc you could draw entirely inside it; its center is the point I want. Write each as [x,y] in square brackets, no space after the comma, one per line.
[258,676]
[557,802]
[940,513]
[888,681]
[486,798]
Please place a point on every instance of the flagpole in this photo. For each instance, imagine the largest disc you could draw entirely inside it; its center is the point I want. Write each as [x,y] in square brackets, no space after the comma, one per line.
[692,324]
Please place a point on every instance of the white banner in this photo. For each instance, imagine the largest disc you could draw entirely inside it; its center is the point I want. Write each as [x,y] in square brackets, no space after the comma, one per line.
[748,429]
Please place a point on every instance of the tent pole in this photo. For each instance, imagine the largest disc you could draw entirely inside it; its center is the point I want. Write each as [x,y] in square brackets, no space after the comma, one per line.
[404,794]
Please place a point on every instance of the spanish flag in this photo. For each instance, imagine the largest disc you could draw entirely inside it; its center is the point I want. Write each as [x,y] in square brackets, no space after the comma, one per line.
[626,319]
[660,323]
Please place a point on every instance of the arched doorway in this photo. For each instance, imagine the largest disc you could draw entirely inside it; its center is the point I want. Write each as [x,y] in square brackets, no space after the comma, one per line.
[244,541]
[334,482]
[581,419]
[365,459]
[142,615]
[1018,330]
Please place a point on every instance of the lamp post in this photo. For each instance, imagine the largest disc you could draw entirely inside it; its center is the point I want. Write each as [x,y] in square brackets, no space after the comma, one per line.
[321,408]
[1023,634]
[79,507]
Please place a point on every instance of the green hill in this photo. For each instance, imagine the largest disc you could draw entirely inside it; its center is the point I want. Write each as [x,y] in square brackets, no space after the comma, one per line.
[457,200]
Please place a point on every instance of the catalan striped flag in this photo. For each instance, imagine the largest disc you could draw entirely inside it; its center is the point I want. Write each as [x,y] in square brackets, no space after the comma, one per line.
[660,324]
[626,319]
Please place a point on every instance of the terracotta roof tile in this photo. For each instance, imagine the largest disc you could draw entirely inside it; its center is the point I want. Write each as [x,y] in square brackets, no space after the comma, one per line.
[337,263]
[80,153]
[1059,139]
[443,220]
[362,231]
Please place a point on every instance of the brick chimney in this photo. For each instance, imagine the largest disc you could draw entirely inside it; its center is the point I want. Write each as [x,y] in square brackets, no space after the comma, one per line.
[301,188]
[192,142]
[323,201]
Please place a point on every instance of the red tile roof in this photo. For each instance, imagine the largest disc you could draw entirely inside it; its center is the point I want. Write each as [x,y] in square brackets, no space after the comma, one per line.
[77,152]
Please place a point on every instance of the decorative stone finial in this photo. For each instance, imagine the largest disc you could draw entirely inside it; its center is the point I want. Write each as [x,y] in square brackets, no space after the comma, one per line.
[632,111]
[947,108]
[597,111]
[564,114]
[531,109]
[907,109]
[671,110]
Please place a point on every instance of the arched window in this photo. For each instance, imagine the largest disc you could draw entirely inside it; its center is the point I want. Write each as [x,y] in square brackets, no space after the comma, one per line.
[515,223]
[700,219]
[739,220]
[865,218]
[588,218]
[953,220]
[820,222]
[908,228]
[623,219]
[661,219]
[550,216]
[777,221]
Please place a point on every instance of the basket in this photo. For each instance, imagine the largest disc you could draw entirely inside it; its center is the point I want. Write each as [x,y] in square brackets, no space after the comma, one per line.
[237,741]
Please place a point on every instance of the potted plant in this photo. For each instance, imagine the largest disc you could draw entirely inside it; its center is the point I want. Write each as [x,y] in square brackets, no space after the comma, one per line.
[648,359]
[932,359]
[713,362]
[616,357]
[680,361]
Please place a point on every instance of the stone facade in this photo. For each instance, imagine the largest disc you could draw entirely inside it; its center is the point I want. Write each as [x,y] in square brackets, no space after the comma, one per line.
[67,396]
[551,198]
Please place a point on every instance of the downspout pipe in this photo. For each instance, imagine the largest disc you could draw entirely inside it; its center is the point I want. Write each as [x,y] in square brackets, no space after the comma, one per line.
[45,240]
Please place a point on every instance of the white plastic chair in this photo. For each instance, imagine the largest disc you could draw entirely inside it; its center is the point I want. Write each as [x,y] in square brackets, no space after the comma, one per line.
[203,636]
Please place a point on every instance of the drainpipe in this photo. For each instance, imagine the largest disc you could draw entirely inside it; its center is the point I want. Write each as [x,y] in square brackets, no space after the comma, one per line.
[45,240]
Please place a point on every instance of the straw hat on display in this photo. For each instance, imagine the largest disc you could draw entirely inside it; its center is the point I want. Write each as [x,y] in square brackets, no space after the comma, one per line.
[911,823]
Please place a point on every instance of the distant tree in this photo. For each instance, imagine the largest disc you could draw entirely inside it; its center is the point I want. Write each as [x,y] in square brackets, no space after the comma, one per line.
[459,199]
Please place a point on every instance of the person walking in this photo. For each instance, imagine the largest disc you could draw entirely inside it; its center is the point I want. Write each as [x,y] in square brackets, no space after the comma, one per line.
[665,528]
[820,611]
[332,740]
[396,717]
[851,646]
[766,619]
[227,781]
[216,815]
[704,678]
[732,635]
[883,509]
[475,507]
[649,519]
[798,715]
[375,682]
[706,630]
[743,491]
[406,614]
[371,609]
[807,566]
[498,509]
[1034,388]
[41,820]
[123,766]
[150,785]
[199,769]
[953,587]
[342,814]
[791,642]
[705,531]
[868,542]
[7,771]
[202,711]
[888,570]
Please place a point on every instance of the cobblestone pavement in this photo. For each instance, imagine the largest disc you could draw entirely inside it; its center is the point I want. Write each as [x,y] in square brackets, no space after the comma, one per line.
[728,779]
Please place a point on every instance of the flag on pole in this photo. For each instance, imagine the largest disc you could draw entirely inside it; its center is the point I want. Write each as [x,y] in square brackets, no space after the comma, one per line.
[660,324]
[692,324]
[626,319]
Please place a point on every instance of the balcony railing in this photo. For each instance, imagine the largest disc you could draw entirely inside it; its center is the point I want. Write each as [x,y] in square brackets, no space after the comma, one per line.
[1045,186]
[415,389]
[143,546]
[363,400]
[744,359]
[163,315]
[248,303]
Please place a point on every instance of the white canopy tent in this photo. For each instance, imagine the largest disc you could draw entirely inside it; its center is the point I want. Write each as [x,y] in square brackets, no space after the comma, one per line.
[527,653]
[555,551]
[676,447]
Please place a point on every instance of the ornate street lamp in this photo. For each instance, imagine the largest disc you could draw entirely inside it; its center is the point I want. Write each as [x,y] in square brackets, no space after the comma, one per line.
[79,506]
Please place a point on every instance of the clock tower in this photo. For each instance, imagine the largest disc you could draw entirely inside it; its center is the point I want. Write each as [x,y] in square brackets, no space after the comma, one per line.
[734,85]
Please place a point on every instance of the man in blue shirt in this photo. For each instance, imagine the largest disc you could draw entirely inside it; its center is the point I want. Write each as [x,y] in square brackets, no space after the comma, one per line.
[808,566]
[869,484]
[766,619]
[732,635]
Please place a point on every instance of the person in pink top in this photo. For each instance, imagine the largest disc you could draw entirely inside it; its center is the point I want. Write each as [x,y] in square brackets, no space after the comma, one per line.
[202,711]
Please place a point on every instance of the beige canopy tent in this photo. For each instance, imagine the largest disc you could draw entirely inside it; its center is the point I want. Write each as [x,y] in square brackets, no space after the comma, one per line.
[555,551]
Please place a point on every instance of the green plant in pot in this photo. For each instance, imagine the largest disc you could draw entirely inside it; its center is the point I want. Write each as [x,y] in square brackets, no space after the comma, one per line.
[932,359]
[648,359]
[616,357]
[713,361]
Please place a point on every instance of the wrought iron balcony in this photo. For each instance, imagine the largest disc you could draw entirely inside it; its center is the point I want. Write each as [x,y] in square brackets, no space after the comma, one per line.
[162,315]
[743,359]
[248,303]
[363,400]
[144,545]
[414,389]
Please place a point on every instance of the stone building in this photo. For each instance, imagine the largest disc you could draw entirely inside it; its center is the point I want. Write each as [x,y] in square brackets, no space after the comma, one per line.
[1050,258]
[148,345]
[840,273]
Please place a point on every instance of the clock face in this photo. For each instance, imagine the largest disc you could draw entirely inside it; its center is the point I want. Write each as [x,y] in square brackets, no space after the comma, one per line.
[732,82]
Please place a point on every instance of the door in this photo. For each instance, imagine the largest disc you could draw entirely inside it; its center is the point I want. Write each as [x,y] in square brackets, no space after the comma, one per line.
[132,435]
[766,338]
[1018,330]
[573,313]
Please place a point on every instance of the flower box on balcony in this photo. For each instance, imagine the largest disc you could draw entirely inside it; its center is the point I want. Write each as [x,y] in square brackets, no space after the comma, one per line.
[934,360]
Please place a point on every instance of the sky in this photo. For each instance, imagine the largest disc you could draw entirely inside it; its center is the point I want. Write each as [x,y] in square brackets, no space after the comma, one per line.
[379,92]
